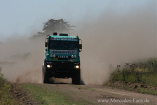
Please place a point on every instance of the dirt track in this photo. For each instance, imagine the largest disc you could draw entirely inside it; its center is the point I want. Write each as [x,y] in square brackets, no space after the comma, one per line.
[97,95]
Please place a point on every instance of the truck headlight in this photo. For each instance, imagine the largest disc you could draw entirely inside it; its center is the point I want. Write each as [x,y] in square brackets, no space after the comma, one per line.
[77,66]
[49,66]
[73,56]
[53,55]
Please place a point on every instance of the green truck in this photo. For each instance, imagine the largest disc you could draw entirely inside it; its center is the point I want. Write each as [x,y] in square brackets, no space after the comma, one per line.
[62,59]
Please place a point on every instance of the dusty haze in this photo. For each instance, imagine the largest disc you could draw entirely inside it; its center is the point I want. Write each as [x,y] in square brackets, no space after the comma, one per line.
[21,59]
[115,39]
[109,40]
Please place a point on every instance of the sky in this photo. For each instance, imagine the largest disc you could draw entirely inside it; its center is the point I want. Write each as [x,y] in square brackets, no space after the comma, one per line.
[24,17]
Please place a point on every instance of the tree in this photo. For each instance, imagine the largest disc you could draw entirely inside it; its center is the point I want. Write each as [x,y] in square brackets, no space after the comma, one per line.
[53,25]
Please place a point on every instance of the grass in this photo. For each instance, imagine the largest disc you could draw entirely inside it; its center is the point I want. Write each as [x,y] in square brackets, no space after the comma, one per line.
[144,73]
[149,79]
[5,98]
[143,90]
[47,97]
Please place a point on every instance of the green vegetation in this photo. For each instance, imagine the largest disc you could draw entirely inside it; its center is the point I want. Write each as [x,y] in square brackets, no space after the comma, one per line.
[47,97]
[53,25]
[5,98]
[148,91]
[140,77]
[143,72]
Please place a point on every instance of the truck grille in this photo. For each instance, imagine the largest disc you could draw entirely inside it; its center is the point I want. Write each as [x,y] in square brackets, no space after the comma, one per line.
[63,58]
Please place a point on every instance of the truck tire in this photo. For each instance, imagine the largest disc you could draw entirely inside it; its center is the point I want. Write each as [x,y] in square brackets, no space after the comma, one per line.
[46,77]
[76,77]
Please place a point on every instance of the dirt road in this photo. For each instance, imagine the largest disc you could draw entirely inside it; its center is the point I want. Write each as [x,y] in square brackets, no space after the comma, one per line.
[68,94]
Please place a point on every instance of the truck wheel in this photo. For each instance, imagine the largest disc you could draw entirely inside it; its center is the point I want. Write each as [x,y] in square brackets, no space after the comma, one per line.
[46,77]
[76,77]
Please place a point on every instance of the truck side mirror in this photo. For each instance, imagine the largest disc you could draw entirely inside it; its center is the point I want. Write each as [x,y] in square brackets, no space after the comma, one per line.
[45,44]
[80,47]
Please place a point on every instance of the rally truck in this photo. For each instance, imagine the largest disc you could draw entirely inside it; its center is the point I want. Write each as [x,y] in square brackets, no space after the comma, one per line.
[62,57]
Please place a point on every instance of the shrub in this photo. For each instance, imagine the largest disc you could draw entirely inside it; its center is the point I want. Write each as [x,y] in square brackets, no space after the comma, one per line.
[5,98]
[141,72]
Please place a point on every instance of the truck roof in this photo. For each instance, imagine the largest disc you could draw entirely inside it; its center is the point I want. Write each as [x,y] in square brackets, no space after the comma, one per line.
[62,35]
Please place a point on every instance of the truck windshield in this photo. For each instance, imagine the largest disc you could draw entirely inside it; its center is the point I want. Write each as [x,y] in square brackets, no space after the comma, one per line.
[63,45]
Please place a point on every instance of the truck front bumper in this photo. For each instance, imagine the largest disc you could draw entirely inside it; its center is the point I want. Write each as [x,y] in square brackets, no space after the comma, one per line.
[61,69]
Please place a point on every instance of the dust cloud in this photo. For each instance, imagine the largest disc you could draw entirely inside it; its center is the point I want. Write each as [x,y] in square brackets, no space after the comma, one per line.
[109,40]
[21,59]
[115,39]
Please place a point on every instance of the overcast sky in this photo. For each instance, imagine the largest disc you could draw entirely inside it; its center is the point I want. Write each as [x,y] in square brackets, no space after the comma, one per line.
[25,16]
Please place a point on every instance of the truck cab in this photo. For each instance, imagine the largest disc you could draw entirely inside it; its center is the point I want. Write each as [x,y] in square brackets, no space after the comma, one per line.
[62,57]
